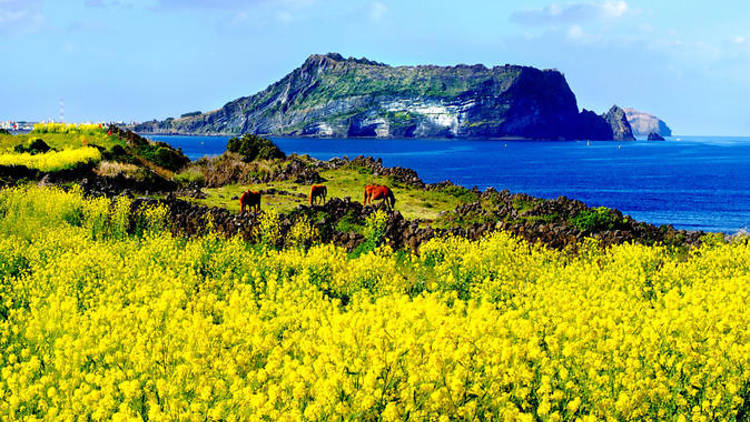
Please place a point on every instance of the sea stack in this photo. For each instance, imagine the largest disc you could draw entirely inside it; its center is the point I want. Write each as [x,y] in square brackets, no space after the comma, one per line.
[621,130]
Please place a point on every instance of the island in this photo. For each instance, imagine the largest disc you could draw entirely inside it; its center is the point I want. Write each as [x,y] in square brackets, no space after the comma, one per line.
[332,96]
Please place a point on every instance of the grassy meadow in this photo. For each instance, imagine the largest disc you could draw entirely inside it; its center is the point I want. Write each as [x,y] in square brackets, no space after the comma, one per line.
[341,183]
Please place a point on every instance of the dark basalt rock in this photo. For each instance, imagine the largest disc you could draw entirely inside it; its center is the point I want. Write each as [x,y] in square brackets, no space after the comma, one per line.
[190,219]
[551,222]
[12,175]
[95,185]
[399,175]
[653,136]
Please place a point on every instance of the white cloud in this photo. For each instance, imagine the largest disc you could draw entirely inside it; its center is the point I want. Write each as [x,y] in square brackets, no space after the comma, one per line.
[575,32]
[613,9]
[20,15]
[377,11]
[571,13]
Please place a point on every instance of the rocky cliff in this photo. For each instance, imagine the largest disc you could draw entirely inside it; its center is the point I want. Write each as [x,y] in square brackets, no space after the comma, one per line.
[618,123]
[645,123]
[332,96]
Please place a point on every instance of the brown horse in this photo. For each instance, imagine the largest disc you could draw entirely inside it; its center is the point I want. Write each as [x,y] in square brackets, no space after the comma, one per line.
[373,192]
[368,192]
[250,199]
[318,191]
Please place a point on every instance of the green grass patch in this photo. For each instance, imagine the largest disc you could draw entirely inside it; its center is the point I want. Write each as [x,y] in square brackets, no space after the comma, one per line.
[345,182]
[594,219]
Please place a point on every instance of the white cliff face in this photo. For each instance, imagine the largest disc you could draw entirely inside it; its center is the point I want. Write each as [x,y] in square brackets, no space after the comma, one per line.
[324,129]
[448,116]
[382,128]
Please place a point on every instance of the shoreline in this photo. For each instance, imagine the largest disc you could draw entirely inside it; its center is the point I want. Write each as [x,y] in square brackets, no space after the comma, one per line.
[387,138]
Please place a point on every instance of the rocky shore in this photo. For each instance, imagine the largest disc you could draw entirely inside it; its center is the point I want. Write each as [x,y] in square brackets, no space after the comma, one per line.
[190,219]
[558,223]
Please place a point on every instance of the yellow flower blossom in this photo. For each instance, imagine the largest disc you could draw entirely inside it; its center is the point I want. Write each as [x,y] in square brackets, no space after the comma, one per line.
[100,322]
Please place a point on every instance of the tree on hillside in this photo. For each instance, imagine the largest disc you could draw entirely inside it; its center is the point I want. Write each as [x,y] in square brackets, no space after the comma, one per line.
[254,147]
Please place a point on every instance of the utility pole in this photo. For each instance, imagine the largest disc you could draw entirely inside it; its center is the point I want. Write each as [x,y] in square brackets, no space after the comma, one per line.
[61,115]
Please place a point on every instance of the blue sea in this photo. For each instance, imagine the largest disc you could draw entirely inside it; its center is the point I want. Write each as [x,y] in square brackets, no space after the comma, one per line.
[693,183]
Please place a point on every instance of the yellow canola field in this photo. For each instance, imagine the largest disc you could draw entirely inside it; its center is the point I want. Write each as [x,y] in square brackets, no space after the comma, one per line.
[70,128]
[53,160]
[100,324]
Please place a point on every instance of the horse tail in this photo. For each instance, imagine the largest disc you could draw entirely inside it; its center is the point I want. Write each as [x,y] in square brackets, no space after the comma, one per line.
[364,201]
[312,189]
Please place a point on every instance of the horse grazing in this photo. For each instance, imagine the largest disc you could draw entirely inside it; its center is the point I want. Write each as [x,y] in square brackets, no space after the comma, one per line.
[368,192]
[250,199]
[318,191]
[373,192]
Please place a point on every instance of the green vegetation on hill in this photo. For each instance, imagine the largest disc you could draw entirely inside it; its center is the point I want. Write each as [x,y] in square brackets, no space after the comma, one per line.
[52,147]
[329,95]
[253,147]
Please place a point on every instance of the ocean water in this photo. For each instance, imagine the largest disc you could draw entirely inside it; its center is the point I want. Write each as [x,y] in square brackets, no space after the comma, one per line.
[693,183]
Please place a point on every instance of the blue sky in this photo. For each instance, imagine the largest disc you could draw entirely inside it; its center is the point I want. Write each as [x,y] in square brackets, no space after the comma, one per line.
[143,59]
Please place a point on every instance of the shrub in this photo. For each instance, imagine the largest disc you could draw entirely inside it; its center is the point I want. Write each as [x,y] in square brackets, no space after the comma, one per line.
[594,219]
[253,147]
[37,146]
[118,153]
[163,155]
